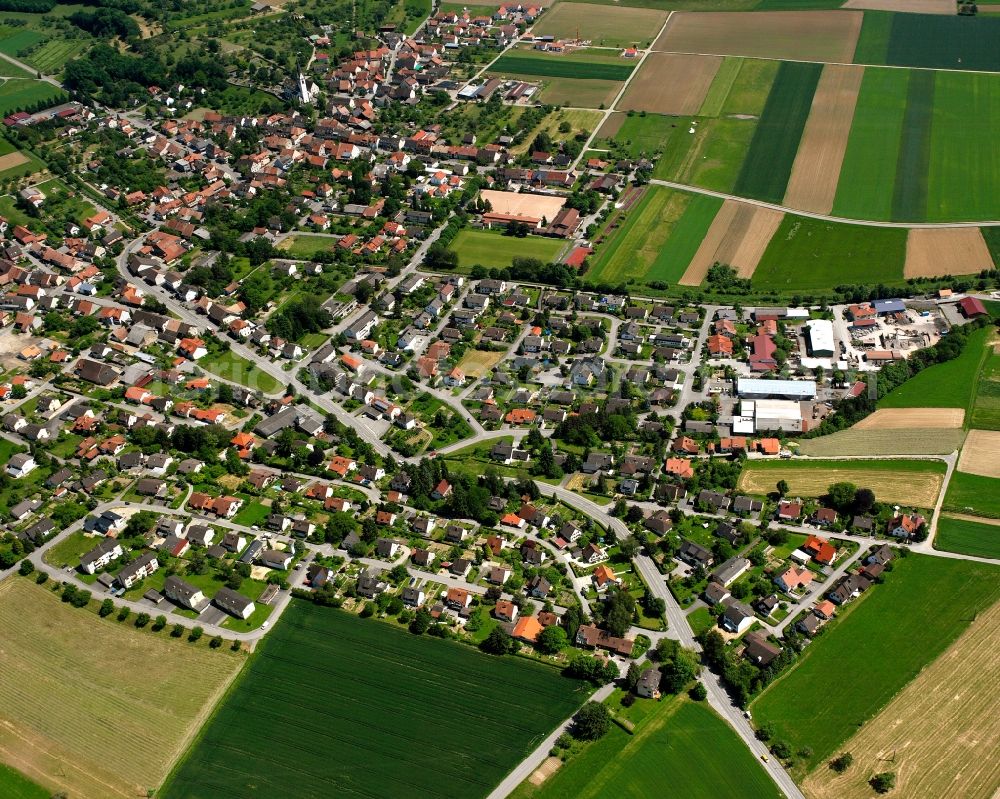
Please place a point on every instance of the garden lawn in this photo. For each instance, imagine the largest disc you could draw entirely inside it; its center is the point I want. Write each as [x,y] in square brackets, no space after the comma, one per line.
[305,246]
[923,606]
[679,743]
[968,537]
[864,190]
[951,384]
[973,493]
[491,249]
[768,163]
[230,366]
[812,255]
[359,703]
[14,785]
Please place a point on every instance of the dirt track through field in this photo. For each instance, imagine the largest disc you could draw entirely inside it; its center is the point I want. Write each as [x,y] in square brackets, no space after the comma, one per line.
[906,418]
[738,236]
[946,251]
[11,160]
[671,84]
[905,6]
[981,453]
[918,489]
[941,733]
[794,35]
[816,171]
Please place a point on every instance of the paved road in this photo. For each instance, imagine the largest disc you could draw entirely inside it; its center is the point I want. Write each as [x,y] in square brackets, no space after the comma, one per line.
[30,70]
[822,217]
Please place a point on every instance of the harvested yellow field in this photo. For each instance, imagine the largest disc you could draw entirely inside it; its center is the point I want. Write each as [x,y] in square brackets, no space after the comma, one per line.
[941,733]
[11,160]
[793,35]
[932,252]
[671,84]
[738,236]
[904,6]
[816,170]
[905,418]
[477,363]
[94,707]
[903,485]
[981,453]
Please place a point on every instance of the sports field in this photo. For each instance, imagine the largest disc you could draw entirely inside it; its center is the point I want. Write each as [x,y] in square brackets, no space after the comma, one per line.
[935,733]
[332,704]
[812,255]
[681,743]
[604,26]
[492,249]
[951,384]
[581,65]
[805,35]
[915,483]
[924,605]
[93,707]
[768,164]
[968,535]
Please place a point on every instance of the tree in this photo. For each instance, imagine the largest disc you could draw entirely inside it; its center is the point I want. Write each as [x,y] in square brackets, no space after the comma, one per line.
[841,496]
[177,631]
[498,642]
[782,487]
[142,620]
[216,642]
[123,613]
[159,623]
[551,640]
[698,692]
[864,500]
[842,762]
[195,634]
[107,608]
[421,622]
[26,567]
[591,722]
[632,676]
[884,782]
[619,612]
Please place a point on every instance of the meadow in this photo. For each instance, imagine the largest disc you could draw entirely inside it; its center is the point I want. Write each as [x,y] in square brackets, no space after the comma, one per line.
[951,384]
[657,240]
[352,705]
[18,93]
[641,134]
[305,245]
[768,164]
[711,156]
[678,743]
[92,725]
[571,65]
[491,249]
[812,255]
[923,606]
[968,537]
[973,493]
[605,26]
[911,482]
[986,406]
[238,369]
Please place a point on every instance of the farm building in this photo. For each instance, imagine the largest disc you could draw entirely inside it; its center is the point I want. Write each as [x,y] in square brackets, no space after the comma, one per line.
[756,388]
[768,414]
[820,338]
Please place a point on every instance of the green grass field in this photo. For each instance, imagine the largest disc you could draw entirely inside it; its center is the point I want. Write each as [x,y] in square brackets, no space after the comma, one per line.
[526,62]
[968,537]
[492,249]
[52,56]
[722,85]
[13,40]
[972,493]
[678,743]
[844,678]
[19,93]
[768,164]
[869,167]
[642,134]
[605,26]
[356,707]
[942,42]
[986,407]
[577,92]
[751,88]
[305,245]
[711,156]
[14,785]
[230,366]
[812,255]
[873,41]
[909,195]
[951,384]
